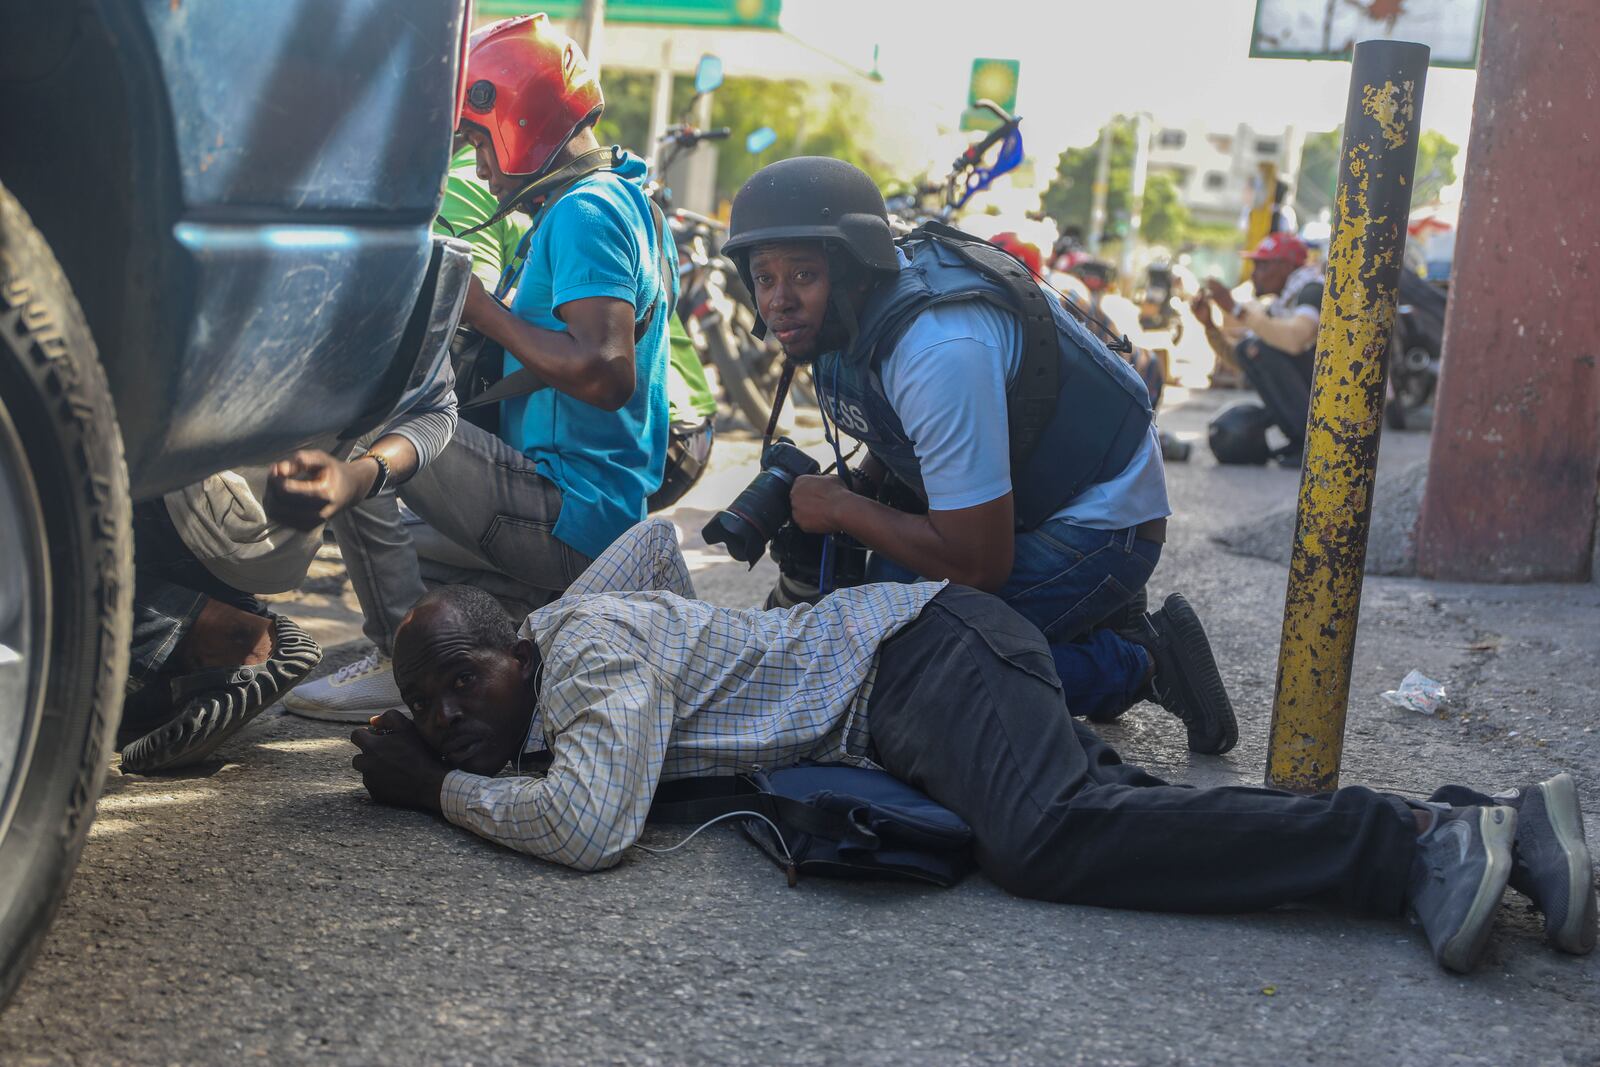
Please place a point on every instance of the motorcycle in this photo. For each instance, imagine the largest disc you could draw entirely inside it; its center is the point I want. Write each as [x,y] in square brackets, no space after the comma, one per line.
[1158,301]
[1090,278]
[716,308]
[1415,349]
[967,178]
[718,312]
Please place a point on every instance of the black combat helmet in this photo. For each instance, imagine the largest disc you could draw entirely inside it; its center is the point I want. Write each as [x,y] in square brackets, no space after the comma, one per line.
[812,198]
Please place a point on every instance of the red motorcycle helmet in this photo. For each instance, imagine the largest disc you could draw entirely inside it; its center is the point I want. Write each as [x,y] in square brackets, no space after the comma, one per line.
[1026,251]
[530,89]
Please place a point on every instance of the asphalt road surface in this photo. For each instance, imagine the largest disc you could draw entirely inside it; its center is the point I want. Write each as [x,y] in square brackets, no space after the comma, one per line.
[264,910]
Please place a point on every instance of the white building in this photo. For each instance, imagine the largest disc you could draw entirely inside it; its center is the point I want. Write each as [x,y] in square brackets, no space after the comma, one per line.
[1215,172]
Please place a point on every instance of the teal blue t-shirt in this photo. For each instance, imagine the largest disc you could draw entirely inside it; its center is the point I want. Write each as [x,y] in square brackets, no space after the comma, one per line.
[600,239]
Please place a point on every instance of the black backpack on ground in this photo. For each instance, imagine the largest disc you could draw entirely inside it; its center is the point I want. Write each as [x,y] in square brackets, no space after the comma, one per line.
[1239,435]
[829,819]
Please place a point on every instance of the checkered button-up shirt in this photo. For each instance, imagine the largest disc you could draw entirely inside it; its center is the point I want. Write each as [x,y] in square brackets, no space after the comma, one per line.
[654,685]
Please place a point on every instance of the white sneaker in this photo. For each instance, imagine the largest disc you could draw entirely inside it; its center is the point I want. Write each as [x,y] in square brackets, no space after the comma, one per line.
[353,693]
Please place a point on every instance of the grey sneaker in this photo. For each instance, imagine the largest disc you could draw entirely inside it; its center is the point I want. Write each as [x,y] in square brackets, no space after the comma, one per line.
[1457,877]
[1550,863]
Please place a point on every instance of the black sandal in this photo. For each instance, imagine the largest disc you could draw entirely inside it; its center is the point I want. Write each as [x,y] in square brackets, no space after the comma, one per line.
[217,703]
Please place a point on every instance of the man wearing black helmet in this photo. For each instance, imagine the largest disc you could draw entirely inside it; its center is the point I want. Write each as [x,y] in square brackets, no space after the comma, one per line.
[1018,452]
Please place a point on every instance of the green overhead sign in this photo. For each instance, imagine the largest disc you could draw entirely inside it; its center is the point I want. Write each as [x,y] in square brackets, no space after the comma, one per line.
[722,14]
[992,79]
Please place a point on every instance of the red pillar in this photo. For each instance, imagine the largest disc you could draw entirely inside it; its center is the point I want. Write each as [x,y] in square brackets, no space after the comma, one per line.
[1515,458]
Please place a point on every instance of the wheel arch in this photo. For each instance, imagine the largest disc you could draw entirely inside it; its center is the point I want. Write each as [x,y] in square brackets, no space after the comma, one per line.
[90,137]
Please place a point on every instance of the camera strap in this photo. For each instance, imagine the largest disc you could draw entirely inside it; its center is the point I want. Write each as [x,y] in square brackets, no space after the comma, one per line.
[825,577]
[825,584]
[778,397]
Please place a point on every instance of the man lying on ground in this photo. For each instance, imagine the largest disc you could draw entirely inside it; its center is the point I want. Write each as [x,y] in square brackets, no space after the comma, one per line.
[628,681]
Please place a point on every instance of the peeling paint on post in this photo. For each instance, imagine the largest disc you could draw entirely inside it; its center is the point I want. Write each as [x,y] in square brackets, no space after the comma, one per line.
[1323,602]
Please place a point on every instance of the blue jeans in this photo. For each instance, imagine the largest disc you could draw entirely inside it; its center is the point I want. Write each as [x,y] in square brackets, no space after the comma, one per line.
[1067,579]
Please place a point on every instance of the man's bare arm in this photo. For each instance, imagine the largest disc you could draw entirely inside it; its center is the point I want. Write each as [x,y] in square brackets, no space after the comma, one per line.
[591,360]
[970,546]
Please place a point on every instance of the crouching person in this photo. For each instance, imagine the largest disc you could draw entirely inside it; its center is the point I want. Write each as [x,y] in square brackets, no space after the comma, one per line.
[207,655]
[524,512]
[628,681]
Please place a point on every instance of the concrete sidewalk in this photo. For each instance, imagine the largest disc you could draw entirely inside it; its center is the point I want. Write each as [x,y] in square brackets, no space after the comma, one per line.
[266,911]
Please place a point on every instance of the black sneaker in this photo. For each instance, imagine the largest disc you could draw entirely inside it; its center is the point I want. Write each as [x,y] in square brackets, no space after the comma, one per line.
[215,704]
[1186,681]
[1550,863]
[1460,870]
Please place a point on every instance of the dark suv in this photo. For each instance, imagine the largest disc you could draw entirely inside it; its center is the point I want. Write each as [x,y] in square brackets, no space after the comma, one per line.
[214,246]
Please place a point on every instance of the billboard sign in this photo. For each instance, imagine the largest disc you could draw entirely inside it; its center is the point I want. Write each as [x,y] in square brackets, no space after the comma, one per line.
[1329,29]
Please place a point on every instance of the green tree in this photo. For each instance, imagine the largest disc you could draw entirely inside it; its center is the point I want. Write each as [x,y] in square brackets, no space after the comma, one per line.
[814,122]
[1069,198]
[1164,219]
[627,116]
[1436,166]
[1319,170]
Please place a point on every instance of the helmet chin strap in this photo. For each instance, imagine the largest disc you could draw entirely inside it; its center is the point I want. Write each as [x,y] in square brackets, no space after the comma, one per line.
[542,186]
[845,311]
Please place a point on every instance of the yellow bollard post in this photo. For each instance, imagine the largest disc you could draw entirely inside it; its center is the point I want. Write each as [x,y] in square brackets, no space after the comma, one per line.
[1323,602]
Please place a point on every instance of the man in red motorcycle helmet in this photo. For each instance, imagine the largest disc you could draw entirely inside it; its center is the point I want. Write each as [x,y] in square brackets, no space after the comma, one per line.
[573,462]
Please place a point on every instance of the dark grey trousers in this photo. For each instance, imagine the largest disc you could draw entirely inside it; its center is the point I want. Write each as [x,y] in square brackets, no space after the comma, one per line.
[480,497]
[1284,384]
[967,708]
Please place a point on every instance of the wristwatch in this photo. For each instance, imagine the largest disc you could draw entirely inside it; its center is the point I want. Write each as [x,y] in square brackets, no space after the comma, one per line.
[382,481]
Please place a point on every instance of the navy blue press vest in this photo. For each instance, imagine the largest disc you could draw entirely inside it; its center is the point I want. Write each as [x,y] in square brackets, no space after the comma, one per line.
[1102,409]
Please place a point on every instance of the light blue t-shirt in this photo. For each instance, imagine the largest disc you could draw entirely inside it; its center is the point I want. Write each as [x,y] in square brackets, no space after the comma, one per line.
[599,240]
[947,378]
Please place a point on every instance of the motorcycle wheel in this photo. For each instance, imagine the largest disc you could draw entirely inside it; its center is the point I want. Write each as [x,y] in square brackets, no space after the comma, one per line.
[743,391]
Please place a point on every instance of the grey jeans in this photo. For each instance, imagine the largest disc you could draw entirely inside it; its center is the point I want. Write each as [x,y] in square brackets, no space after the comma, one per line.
[487,519]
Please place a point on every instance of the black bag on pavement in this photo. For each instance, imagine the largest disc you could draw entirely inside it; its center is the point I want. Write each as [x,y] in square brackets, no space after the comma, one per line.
[1239,435]
[830,819]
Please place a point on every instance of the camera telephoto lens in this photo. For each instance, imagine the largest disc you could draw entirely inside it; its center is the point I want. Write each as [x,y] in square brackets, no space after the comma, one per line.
[746,525]
[745,543]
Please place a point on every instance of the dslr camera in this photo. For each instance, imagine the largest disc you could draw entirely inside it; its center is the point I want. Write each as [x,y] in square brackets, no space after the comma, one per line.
[760,516]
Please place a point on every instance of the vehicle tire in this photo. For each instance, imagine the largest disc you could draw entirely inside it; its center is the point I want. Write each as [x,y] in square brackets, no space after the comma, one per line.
[66,586]
[744,393]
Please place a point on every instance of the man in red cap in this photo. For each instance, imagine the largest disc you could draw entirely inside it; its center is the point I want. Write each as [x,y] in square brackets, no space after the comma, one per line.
[1274,337]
